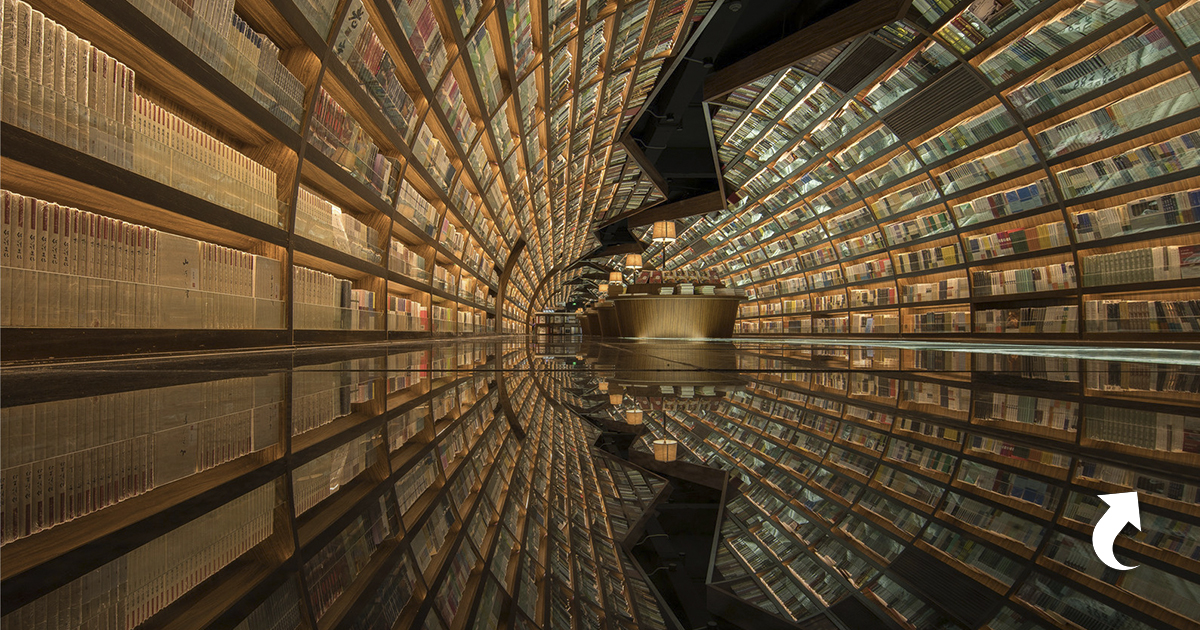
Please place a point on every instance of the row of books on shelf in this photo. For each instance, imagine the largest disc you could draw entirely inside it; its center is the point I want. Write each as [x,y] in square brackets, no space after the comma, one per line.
[322,476]
[1160,431]
[1159,102]
[1156,159]
[406,262]
[413,206]
[1148,213]
[58,456]
[874,323]
[333,569]
[325,223]
[1113,315]
[1056,86]
[1018,241]
[1051,35]
[677,276]
[127,591]
[1011,281]
[360,49]
[248,59]
[1186,22]
[336,134]
[72,268]
[929,258]
[1022,409]
[1041,319]
[1001,204]
[1147,264]
[62,88]
[948,289]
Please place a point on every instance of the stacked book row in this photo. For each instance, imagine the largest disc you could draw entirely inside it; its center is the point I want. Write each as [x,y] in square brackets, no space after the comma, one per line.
[1044,319]
[980,21]
[404,261]
[332,569]
[360,49]
[822,255]
[1158,102]
[1029,410]
[325,223]
[865,148]
[940,322]
[1156,430]
[831,302]
[66,459]
[1054,87]
[1186,22]
[898,166]
[826,278]
[831,325]
[324,302]
[873,297]
[860,245]
[424,37]
[1010,281]
[1052,35]
[920,227]
[1005,203]
[212,30]
[929,258]
[1135,165]
[76,269]
[987,168]
[450,99]
[849,222]
[1147,264]
[432,154]
[1019,241]
[129,590]
[965,135]
[62,88]
[1142,315]
[1147,213]
[414,207]
[334,132]
[322,476]
[948,289]
[874,323]
[867,270]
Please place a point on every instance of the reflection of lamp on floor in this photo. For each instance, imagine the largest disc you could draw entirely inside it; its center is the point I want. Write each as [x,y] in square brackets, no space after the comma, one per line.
[663,232]
[633,417]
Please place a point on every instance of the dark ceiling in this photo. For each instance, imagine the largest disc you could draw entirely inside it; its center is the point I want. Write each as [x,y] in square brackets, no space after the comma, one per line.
[672,131]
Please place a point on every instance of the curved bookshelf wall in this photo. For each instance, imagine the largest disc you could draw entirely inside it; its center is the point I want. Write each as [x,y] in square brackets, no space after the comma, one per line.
[380,160]
[1026,173]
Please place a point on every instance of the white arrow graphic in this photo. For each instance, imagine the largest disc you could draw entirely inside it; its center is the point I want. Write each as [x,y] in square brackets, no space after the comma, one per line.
[1122,509]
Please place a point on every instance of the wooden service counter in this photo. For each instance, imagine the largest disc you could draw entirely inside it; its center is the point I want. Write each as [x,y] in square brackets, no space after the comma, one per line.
[677,316]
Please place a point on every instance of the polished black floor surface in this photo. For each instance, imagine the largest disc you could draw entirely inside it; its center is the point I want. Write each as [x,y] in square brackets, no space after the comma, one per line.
[521,482]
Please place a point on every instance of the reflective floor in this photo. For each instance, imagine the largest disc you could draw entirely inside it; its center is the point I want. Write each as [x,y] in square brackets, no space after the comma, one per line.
[522,483]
